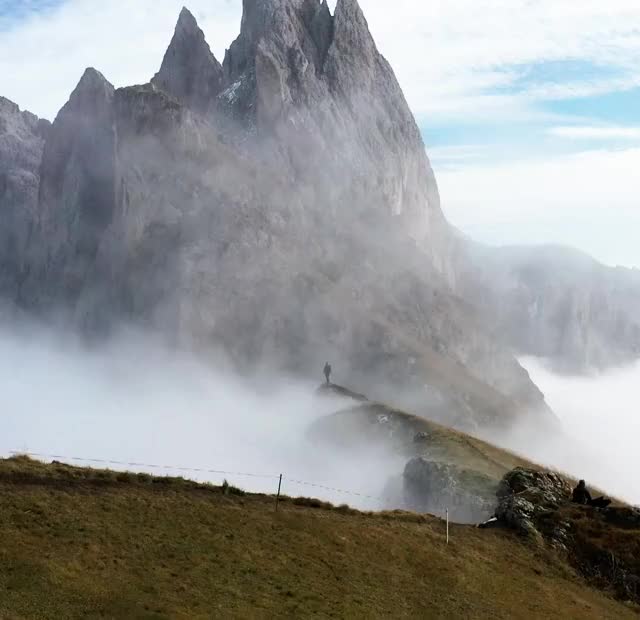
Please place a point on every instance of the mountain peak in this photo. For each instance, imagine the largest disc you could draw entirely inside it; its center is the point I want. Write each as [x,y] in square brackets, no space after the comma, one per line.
[186,21]
[190,71]
[6,105]
[92,89]
[92,79]
[351,26]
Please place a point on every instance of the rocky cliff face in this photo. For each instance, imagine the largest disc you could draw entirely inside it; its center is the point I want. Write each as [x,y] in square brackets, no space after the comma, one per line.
[77,193]
[21,142]
[278,207]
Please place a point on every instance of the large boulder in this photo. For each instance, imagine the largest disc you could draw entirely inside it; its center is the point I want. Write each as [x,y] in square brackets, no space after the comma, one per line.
[435,487]
[524,495]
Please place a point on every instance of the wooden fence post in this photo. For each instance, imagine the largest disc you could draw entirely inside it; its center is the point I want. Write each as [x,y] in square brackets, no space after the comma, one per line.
[278,495]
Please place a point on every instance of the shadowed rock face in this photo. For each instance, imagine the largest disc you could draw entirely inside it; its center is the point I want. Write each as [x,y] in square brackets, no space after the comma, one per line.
[77,192]
[281,210]
[434,488]
[21,142]
[189,70]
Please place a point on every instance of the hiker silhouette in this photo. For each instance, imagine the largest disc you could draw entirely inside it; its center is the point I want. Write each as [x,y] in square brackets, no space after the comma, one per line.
[582,496]
[327,372]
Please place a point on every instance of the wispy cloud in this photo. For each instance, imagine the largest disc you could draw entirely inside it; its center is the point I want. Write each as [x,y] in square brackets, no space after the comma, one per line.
[452,57]
[596,133]
[467,48]
[599,414]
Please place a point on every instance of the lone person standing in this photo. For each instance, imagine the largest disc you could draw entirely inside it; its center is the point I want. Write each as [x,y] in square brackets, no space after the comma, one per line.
[327,372]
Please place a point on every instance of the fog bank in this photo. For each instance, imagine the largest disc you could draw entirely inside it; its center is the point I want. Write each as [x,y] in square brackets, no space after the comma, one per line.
[601,414]
[136,401]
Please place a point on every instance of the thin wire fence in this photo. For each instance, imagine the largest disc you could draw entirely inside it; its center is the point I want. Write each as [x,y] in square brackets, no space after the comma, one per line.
[200,470]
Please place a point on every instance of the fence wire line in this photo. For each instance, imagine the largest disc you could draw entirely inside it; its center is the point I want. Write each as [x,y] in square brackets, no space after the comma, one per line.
[321,486]
[134,464]
[191,469]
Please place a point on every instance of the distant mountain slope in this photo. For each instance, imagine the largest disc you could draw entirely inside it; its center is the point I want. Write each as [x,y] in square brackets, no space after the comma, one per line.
[555,302]
[78,542]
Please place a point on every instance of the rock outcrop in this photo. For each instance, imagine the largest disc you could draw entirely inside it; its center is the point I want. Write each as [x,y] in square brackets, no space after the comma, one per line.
[22,137]
[600,543]
[525,495]
[432,468]
[435,487]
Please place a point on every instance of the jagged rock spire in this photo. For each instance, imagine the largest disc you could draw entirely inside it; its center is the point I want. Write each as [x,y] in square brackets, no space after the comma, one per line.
[351,27]
[189,71]
[77,174]
[321,29]
[92,89]
[285,23]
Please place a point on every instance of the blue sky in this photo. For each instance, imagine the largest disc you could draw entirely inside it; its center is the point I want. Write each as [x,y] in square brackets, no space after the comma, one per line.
[530,110]
[13,11]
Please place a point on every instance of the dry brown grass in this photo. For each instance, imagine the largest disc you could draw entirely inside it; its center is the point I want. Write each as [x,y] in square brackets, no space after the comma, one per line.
[83,543]
[603,547]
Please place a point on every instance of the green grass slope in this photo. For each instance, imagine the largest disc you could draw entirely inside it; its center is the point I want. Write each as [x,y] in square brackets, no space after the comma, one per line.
[370,426]
[81,543]
[376,423]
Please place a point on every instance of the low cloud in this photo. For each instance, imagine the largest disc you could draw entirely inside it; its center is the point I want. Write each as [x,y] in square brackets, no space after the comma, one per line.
[137,402]
[601,417]
[587,200]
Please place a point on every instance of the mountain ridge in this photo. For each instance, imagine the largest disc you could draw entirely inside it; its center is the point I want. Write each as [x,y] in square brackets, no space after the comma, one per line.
[277,208]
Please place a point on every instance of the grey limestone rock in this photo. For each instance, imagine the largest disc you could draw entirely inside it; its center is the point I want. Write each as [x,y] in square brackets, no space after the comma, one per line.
[524,495]
[290,218]
[189,71]
[280,209]
[22,137]
[77,193]
[434,487]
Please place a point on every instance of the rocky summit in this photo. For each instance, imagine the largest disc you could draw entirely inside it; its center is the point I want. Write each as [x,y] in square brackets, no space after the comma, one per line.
[275,210]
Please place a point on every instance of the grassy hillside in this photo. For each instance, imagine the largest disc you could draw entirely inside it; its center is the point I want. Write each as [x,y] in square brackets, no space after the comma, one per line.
[371,422]
[476,466]
[94,544]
